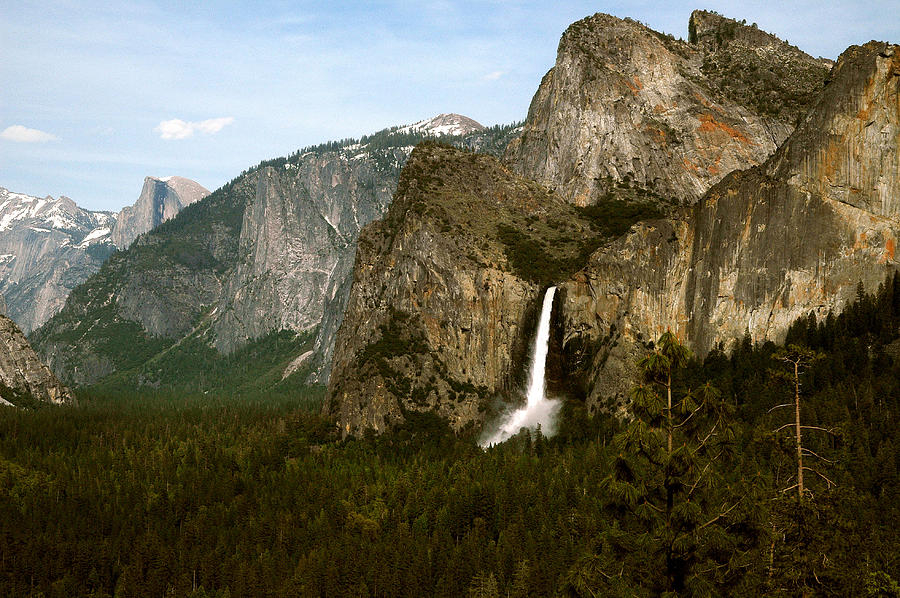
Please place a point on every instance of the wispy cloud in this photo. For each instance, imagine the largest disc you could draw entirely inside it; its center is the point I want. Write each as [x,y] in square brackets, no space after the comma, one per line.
[179,129]
[21,134]
[493,76]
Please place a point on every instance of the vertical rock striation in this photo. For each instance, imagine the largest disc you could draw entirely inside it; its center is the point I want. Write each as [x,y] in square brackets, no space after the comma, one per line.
[270,251]
[297,241]
[764,246]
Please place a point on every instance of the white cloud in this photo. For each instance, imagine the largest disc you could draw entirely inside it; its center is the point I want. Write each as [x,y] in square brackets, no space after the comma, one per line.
[179,129]
[21,134]
[493,76]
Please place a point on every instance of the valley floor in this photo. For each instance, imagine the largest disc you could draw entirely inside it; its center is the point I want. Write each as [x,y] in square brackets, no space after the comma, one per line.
[225,497]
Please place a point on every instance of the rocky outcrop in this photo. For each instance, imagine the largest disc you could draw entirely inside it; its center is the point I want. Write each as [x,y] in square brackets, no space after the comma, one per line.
[625,103]
[754,68]
[160,200]
[21,371]
[764,246]
[150,296]
[47,247]
[446,291]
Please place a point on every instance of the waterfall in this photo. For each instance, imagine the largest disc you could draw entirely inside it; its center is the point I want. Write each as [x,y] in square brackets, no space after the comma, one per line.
[538,409]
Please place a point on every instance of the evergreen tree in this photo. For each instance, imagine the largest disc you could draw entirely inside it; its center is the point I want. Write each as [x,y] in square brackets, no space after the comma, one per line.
[674,509]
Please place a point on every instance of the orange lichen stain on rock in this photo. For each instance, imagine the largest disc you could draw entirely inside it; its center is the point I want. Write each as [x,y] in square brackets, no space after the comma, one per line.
[707,104]
[635,85]
[659,109]
[889,250]
[702,100]
[658,135]
[832,159]
[708,124]
[689,165]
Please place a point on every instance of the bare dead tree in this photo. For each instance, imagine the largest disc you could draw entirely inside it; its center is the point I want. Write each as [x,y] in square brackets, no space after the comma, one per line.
[798,360]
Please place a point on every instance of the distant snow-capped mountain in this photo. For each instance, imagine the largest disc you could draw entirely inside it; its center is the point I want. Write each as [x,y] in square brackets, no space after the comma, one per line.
[18,209]
[48,246]
[444,124]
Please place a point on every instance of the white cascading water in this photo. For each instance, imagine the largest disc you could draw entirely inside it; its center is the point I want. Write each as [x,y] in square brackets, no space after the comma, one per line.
[539,410]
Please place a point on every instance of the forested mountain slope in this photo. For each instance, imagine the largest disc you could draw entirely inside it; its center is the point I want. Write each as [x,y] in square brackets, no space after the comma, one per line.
[270,251]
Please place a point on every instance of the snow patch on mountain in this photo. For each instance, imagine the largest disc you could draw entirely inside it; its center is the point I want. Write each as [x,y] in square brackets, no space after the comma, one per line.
[444,124]
[94,236]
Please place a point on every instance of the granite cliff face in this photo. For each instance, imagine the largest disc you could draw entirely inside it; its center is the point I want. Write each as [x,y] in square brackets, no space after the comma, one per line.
[625,103]
[426,328]
[146,298]
[764,246]
[272,250]
[446,292]
[47,247]
[22,375]
[160,200]
[756,69]
[296,247]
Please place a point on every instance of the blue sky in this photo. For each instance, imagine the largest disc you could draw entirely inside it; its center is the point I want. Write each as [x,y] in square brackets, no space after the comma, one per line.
[94,96]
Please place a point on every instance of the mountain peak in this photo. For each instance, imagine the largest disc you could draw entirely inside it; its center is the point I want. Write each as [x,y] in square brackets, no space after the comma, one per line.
[161,199]
[445,124]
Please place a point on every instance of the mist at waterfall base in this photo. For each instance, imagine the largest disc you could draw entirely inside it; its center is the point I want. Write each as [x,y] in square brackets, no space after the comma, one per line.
[538,410]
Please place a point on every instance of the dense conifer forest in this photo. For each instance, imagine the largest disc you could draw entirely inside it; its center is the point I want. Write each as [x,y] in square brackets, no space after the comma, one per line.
[258,496]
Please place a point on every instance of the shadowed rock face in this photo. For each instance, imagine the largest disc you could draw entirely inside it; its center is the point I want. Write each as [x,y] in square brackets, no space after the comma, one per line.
[625,103]
[160,200]
[792,236]
[746,256]
[22,371]
[270,251]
